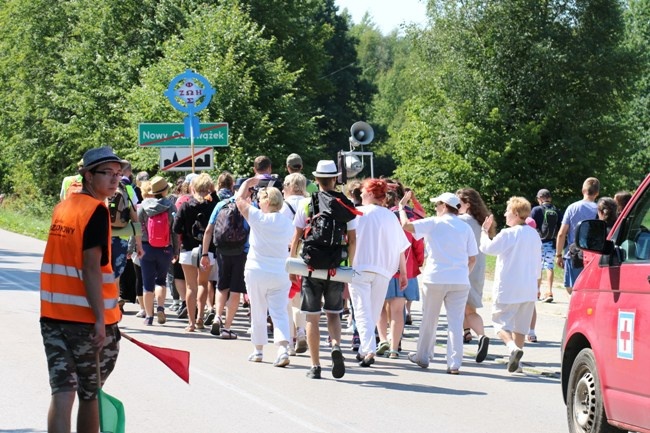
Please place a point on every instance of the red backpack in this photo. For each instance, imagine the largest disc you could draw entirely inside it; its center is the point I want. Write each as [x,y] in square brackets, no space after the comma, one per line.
[158,230]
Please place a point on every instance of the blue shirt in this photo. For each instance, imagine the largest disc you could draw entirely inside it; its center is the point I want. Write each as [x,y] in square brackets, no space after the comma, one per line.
[577,212]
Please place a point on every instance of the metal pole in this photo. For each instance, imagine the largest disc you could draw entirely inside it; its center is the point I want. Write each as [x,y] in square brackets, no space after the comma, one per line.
[192,142]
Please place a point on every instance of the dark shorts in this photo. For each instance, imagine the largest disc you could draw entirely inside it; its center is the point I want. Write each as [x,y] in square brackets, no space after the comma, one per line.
[119,247]
[71,358]
[155,264]
[315,290]
[177,271]
[231,273]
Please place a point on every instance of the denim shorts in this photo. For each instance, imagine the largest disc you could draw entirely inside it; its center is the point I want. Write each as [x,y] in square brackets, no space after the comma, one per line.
[314,291]
[570,273]
[411,293]
[71,359]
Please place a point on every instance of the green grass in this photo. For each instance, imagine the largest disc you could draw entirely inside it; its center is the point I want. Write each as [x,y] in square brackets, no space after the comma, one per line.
[27,220]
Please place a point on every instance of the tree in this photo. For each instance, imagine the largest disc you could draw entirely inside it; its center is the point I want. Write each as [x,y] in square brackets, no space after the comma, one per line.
[256,93]
[633,168]
[518,95]
[69,66]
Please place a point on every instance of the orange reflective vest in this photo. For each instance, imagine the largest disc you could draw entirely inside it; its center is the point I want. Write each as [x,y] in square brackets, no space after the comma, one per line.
[63,293]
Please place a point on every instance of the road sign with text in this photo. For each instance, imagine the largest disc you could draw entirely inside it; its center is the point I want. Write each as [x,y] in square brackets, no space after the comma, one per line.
[180,158]
[172,135]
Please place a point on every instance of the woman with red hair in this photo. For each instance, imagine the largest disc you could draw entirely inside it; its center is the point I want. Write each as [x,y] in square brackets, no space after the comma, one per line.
[381,243]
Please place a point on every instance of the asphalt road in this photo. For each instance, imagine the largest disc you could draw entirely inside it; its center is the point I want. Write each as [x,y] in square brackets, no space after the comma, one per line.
[229,394]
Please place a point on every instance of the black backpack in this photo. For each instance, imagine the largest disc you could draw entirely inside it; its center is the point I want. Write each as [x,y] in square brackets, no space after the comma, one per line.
[324,237]
[549,227]
[119,207]
[230,230]
[275,182]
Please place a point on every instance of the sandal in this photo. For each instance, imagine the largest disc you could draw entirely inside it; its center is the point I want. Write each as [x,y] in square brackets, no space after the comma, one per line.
[199,323]
[255,357]
[548,298]
[190,328]
[393,354]
[467,337]
[383,347]
[227,334]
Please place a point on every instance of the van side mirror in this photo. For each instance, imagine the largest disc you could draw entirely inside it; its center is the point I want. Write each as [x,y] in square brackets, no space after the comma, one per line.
[591,235]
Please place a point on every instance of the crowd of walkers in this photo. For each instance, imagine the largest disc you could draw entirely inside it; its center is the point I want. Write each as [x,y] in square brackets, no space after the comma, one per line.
[391,244]
[294,249]
[399,255]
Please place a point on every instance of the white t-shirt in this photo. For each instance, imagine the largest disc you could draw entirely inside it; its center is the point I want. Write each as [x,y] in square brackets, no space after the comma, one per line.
[518,264]
[449,244]
[294,201]
[380,240]
[269,241]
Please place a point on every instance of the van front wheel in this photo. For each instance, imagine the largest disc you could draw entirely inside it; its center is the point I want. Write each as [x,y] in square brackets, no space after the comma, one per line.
[585,410]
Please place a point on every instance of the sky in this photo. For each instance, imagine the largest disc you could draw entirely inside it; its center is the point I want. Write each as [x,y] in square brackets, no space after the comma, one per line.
[387,14]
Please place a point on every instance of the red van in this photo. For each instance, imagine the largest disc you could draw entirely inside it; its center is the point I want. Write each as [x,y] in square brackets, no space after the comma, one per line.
[606,343]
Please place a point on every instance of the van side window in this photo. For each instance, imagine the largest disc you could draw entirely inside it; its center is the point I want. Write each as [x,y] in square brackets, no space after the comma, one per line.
[635,233]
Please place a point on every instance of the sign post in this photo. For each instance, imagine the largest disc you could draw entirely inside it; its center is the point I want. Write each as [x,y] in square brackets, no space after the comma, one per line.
[190,93]
[173,135]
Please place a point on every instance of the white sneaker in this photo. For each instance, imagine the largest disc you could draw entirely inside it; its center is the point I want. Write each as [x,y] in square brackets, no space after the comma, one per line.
[141,314]
[291,351]
[301,341]
[413,357]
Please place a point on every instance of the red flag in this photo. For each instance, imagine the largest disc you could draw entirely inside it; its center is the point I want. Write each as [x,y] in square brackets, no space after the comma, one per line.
[177,360]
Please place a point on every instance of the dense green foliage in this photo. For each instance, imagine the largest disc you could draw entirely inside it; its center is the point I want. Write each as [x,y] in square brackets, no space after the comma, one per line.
[513,96]
[81,74]
[506,97]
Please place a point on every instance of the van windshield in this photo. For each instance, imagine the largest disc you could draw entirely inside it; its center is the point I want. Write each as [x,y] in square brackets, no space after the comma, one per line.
[634,232]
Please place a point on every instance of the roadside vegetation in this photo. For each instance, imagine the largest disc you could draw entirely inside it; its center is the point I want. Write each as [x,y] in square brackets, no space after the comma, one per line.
[30,219]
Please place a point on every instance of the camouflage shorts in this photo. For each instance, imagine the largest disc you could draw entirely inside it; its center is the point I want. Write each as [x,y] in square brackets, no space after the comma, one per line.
[71,357]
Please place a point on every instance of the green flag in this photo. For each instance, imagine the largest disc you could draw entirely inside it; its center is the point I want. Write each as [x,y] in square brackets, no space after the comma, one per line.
[111,413]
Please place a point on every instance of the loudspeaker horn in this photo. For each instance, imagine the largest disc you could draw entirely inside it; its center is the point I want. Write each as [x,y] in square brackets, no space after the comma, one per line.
[361,134]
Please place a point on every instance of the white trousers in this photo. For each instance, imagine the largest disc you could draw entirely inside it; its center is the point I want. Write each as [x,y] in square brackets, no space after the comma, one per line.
[454,297]
[268,292]
[367,293]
